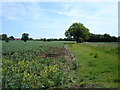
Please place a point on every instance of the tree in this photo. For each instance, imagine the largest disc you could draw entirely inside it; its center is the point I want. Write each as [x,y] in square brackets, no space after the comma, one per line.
[4,36]
[7,40]
[30,38]
[44,39]
[102,38]
[25,37]
[48,40]
[78,32]
[0,37]
[11,38]
[119,39]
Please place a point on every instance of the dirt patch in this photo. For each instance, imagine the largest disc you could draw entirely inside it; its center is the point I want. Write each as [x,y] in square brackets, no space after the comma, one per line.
[69,54]
[54,53]
[57,53]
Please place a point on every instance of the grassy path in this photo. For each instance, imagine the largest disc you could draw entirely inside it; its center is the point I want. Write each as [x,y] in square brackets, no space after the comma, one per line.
[98,65]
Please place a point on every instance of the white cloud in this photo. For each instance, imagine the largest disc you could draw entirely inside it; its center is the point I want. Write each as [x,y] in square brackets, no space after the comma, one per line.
[13,11]
[22,11]
[103,19]
[98,17]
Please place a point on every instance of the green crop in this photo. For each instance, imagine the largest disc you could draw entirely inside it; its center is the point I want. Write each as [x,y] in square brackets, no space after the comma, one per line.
[23,66]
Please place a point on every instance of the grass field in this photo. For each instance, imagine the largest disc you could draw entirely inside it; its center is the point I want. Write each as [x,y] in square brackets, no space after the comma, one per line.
[57,64]
[98,64]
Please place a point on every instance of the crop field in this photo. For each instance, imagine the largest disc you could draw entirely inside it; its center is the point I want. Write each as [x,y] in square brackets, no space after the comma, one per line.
[36,64]
[59,64]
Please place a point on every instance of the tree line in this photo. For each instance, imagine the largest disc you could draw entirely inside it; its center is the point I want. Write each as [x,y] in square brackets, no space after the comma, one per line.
[93,38]
[25,37]
[102,38]
[80,33]
[7,39]
[76,32]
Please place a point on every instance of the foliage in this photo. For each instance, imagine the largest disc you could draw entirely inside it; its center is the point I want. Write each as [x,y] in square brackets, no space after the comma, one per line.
[78,32]
[102,38]
[7,39]
[25,37]
[30,38]
[23,66]
[31,74]
[48,40]
[4,36]
[11,38]
[119,39]
[44,39]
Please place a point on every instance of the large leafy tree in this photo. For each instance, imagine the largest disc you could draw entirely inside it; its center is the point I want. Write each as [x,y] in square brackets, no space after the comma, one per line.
[78,31]
[25,37]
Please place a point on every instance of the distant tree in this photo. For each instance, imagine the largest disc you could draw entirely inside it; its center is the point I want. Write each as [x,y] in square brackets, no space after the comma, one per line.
[114,39]
[4,36]
[60,39]
[48,40]
[118,38]
[25,37]
[11,38]
[107,37]
[30,38]
[7,39]
[95,38]
[44,39]
[78,32]
[41,39]
[55,39]
[102,38]
[0,37]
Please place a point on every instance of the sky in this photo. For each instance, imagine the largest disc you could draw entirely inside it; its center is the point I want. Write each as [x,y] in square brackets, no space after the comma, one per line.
[52,19]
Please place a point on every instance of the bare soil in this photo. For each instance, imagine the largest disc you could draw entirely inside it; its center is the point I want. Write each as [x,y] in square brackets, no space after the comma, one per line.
[57,53]
[54,53]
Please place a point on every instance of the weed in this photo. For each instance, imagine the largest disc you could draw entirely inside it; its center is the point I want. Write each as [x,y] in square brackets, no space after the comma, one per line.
[96,55]
[75,64]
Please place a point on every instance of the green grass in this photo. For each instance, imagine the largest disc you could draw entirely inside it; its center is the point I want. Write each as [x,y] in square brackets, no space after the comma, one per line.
[98,65]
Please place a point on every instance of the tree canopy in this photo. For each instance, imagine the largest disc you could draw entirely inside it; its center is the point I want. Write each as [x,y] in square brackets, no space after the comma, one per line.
[4,36]
[11,38]
[102,38]
[25,37]
[78,31]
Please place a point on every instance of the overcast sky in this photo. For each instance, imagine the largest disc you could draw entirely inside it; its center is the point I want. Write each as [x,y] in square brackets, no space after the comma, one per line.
[51,19]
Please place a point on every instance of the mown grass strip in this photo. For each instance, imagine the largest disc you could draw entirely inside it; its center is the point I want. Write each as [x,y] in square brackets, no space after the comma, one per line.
[98,68]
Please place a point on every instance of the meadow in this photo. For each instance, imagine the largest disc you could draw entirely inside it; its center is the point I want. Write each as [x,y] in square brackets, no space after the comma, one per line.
[59,64]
